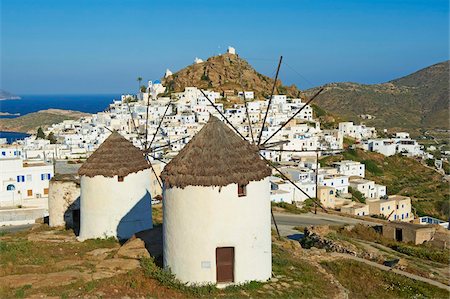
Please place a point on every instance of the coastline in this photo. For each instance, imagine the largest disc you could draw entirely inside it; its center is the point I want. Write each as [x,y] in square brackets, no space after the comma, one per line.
[11,98]
[30,122]
[9,114]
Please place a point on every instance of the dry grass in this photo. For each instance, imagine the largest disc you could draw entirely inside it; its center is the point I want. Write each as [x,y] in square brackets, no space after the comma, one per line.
[363,281]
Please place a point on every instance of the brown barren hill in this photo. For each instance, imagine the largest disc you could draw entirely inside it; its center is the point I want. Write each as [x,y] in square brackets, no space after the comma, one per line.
[414,102]
[29,123]
[226,72]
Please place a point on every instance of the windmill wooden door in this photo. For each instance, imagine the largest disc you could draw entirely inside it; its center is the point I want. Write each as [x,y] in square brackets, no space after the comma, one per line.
[225,264]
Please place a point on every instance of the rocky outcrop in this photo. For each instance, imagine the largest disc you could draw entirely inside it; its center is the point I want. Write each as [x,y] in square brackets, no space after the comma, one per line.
[134,249]
[226,72]
[314,239]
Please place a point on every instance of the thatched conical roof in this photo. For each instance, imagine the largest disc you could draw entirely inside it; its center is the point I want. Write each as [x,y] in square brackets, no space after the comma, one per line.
[115,156]
[216,156]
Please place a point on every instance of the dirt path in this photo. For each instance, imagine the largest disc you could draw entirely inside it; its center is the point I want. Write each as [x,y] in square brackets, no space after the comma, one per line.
[385,268]
[442,273]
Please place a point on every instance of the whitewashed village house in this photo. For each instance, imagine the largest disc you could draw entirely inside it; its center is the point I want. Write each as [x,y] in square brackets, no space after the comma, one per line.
[115,191]
[350,168]
[21,179]
[359,132]
[216,210]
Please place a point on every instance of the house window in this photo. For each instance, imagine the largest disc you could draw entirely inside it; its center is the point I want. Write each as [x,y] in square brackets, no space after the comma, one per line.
[242,190]
[28,177]
[10,187]
[3,153]
[20,178]
[120,178]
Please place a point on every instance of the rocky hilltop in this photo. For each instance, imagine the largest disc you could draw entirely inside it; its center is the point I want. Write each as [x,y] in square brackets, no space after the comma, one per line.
[417,101]
[225,72]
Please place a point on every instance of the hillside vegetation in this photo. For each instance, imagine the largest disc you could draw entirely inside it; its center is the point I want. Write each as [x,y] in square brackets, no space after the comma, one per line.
[44,262]
[225,72]
[29,123]
[430,194]
[414,102]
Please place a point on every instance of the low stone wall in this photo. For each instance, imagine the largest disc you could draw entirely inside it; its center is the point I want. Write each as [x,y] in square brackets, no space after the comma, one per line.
[21,215]
[312,238]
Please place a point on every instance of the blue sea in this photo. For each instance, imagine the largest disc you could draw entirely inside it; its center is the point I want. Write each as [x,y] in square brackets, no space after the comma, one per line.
[13,136]
[32,103]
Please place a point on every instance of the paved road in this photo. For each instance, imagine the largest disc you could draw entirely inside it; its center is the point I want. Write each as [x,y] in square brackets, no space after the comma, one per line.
[15,228]
[316,219]
[286,222]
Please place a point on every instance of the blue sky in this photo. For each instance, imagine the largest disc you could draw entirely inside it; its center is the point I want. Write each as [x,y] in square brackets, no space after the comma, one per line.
[99,46]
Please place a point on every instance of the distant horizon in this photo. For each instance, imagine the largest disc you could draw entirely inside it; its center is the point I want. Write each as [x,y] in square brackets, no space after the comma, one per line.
[67,94]
[144,82]
[98,47]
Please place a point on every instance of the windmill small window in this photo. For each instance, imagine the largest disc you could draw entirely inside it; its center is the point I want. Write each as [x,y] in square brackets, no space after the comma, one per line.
[120,178]
[242,190]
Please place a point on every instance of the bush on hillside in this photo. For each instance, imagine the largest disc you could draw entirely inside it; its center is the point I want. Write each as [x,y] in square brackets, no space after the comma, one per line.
[358,195]
[372,167]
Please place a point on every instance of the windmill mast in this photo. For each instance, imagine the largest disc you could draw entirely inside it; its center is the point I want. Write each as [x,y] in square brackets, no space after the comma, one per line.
[270,99]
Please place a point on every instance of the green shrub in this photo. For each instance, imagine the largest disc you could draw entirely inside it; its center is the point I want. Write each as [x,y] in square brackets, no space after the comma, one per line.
[205,77]
[430,162]
[372,167]
[423,252]
[318,111]
[20,293]
[351,154]
[358,195]
[166,278]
